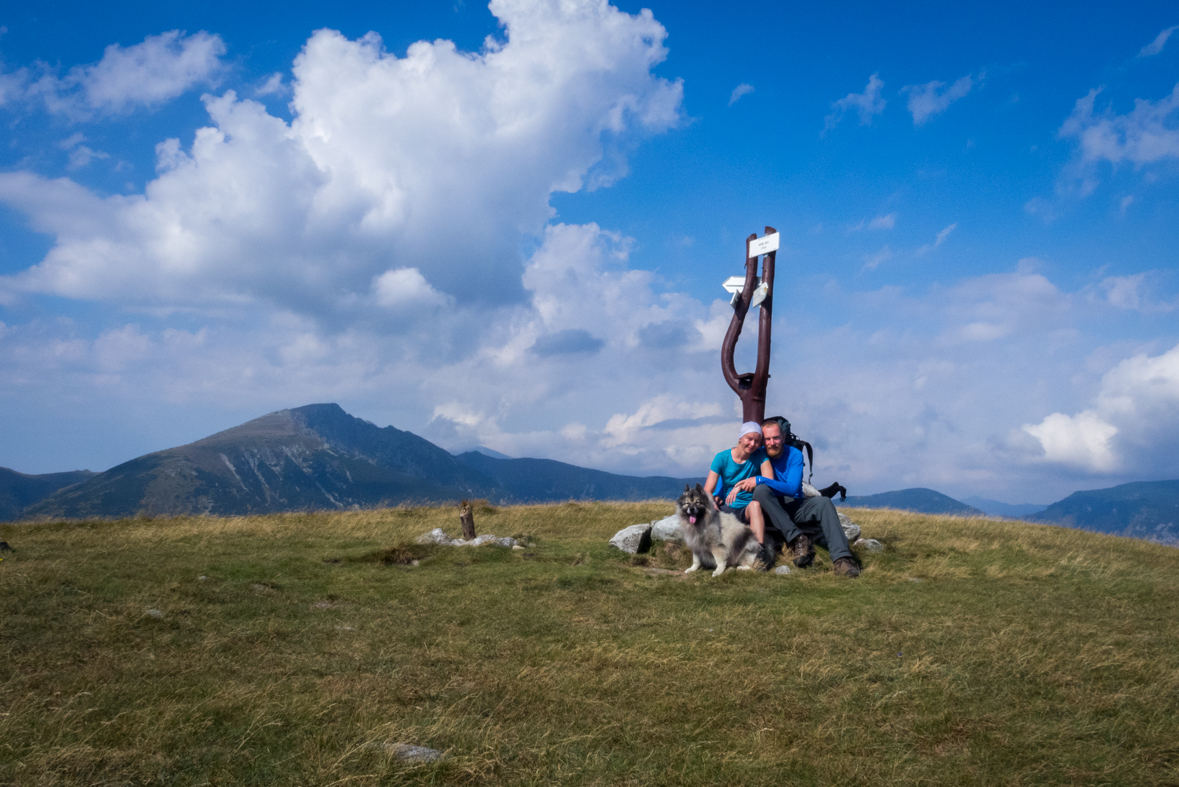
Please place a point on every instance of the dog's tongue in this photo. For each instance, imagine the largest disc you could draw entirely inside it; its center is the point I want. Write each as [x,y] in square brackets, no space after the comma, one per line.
[692,520]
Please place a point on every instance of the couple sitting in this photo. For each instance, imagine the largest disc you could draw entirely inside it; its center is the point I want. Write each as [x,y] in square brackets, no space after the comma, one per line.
[757,484]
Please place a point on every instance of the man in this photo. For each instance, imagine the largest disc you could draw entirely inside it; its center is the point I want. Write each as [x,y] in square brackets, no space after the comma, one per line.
[803,521]
[731,469]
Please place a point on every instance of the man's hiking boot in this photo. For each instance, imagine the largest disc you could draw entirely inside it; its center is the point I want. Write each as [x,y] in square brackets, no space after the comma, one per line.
[804,551]
[846,567]
[765,558]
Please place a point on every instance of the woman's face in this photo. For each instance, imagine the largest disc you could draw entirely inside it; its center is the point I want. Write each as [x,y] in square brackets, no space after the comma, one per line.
[750,442]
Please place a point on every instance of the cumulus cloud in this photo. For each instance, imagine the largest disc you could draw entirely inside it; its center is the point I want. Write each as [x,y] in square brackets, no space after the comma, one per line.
[147,74]
[438,162]
[1133,424]
[868,104]
[933,98]
[1160,41]
[1146,134]
[742,89]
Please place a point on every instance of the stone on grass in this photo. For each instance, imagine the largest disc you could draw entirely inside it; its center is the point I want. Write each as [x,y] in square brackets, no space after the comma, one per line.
[870,544]
[435,536]
[634,539]
[850,528]
[438,536]
[155,613]
[782,570]
[667,529]
[408,752]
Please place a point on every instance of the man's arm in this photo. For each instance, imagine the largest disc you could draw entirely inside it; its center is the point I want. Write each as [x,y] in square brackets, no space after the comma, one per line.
[789,482]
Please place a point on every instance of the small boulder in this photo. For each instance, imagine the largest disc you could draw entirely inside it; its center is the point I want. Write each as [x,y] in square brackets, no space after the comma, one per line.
[435,536]
[782,570]
[870,544]
[850,528]
[635,539]
[667,529]
[155,613]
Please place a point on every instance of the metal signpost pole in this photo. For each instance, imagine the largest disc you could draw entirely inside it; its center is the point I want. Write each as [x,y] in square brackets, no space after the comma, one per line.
[751,387]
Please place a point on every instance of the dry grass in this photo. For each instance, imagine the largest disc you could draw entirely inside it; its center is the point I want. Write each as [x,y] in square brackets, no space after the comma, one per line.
[970,652]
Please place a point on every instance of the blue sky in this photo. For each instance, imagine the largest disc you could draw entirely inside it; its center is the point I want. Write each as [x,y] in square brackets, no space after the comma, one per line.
[208,213]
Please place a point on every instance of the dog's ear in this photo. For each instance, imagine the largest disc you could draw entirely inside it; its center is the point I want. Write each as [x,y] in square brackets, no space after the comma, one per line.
[698,487]
[687,488]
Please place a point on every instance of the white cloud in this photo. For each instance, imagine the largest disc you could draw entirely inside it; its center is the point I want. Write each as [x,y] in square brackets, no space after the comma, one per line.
[1133,425]
[742,89]
[150,73]
[405,289]
[930,99]
[886,222]
[938,241]
[439,161]
[872,261]
[868,104]
[1148,133]
[1160,41]
[1082,440]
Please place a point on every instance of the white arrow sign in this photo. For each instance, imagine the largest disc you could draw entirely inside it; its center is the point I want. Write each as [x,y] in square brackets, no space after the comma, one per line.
[764,245]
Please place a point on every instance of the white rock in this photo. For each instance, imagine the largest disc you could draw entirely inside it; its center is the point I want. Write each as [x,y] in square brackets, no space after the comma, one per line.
[409,752]
[517,547]
[850,528]
[479,541]
[870,544]
[155,613]
[667,529]
[507,542]
[633,539]
[435,536]
[782,570]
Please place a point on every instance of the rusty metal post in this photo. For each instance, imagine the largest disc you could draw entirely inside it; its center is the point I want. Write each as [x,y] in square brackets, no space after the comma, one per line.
[751,387]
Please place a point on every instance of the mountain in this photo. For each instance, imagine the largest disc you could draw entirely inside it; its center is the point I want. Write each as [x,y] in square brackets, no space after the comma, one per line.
[924,501]
[1007,510]
[313,457]
[18,491]
[1144,509]
[546,480]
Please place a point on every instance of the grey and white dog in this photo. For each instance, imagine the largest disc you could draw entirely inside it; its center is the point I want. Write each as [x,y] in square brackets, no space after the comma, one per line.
[715,538]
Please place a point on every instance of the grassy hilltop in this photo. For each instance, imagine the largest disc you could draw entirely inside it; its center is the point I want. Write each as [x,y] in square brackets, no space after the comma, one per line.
[293,647]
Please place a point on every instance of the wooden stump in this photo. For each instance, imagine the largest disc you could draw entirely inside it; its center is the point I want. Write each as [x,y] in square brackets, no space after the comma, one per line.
[467,517]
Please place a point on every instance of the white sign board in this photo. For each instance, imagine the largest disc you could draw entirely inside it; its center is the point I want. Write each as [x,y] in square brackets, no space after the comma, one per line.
[734,284]
[764,245]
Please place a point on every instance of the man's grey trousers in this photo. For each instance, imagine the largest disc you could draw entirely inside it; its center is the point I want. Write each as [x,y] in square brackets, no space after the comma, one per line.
[815,516]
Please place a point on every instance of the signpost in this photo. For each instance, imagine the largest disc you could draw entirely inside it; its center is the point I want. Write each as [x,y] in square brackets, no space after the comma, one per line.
[747,293]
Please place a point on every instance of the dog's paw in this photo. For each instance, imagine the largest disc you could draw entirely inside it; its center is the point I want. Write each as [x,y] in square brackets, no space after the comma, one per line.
[720,570]
[690,570]
[744,568]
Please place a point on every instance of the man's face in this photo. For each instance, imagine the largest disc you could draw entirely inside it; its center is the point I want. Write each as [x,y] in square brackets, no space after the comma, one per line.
[750,442]
[773,437]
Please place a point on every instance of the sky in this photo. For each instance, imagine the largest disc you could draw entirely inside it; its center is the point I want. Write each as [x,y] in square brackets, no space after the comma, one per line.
[507,226]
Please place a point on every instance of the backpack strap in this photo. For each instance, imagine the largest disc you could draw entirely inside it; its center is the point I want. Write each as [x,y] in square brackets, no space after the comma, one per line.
[810,456]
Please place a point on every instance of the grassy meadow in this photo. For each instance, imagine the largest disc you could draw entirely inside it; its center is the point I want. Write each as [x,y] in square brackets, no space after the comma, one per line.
[295,649]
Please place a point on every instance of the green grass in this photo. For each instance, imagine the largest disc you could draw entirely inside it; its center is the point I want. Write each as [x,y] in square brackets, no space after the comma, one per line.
[971,652]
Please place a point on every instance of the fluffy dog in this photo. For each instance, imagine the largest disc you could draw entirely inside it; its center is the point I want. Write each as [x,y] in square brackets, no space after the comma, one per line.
[714,538]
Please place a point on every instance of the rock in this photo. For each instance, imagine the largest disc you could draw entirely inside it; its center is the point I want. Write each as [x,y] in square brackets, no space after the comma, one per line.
[435,536]
[850,528]
[5,548]
[782,570]
[155,613]
[667,529]
[870,544]
[634,539]
[411,753]
[202,578]
[517,547]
